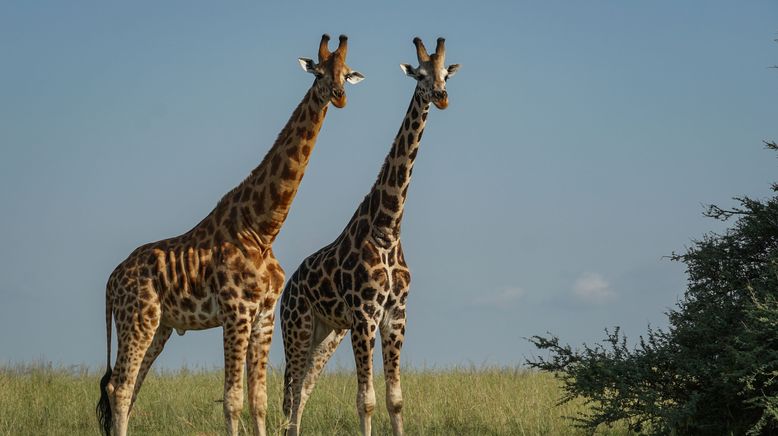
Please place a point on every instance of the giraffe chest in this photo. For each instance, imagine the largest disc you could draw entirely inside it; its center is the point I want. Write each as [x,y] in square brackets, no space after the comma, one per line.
[378,280]
[361,279]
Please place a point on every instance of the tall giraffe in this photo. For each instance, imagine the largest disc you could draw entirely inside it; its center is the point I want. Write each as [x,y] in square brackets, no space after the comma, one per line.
[360,281]
[223,271]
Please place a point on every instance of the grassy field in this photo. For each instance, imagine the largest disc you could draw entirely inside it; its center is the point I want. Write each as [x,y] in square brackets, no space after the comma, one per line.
[41,400]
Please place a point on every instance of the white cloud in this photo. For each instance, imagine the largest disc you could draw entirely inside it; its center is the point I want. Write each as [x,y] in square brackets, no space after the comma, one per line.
[502,297]
[592,287]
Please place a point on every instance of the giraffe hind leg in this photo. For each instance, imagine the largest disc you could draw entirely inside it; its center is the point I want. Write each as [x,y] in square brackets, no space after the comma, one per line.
[134,339]
[325,342]
[157,344]
[297,333]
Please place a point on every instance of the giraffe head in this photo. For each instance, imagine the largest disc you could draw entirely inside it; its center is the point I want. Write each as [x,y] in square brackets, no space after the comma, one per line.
[432,73]
[331,71]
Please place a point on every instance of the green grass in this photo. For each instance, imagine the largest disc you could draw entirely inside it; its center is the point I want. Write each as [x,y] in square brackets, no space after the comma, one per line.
[44,400]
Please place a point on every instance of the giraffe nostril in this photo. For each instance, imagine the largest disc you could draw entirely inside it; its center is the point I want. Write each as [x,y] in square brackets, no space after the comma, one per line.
[338,93]
[439,95]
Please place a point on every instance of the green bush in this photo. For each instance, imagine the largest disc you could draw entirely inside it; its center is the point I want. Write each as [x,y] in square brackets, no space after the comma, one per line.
[714,370]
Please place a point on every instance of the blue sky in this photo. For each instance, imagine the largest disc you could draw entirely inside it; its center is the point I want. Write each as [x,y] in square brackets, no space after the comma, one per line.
[581,141]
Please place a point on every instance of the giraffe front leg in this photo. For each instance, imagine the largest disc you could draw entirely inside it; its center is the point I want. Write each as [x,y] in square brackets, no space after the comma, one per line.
[392,337]
[363,341]
[236,339]
[259,347]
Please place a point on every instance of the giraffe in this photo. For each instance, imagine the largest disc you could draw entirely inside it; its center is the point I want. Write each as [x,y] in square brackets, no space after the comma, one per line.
[360,281]
[223,271]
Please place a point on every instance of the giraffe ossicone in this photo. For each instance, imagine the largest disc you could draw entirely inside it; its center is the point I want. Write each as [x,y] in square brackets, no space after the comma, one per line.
[359,282]
[222,272]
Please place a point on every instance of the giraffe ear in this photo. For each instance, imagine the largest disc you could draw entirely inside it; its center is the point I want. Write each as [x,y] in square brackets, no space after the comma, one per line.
[410,71]
[354,77]
[452,69]
[309,66]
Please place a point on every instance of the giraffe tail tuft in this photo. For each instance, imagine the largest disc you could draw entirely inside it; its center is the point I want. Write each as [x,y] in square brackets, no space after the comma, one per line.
[103,409]
[104,414]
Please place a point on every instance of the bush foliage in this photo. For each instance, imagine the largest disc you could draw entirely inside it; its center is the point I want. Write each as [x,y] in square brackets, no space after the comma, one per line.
[714,370]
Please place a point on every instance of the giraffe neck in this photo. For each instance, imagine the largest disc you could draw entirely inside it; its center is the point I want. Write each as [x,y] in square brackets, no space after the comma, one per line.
[384,205]
[257,208]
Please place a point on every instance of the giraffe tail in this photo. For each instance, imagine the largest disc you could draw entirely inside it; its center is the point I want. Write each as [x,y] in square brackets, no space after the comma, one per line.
[103,409]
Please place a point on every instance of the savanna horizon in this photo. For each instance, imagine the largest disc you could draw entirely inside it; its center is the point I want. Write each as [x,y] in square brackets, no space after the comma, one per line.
[466,400]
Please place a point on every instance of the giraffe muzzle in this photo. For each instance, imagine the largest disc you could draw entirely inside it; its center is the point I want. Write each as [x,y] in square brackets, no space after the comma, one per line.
[338,98]
[440,99]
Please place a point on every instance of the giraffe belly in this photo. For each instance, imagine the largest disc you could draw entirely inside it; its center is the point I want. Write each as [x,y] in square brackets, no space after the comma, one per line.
[181,325]
[335,313]
[188,313]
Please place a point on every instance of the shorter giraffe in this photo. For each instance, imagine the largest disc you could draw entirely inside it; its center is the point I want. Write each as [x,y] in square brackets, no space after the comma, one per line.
[360,281]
